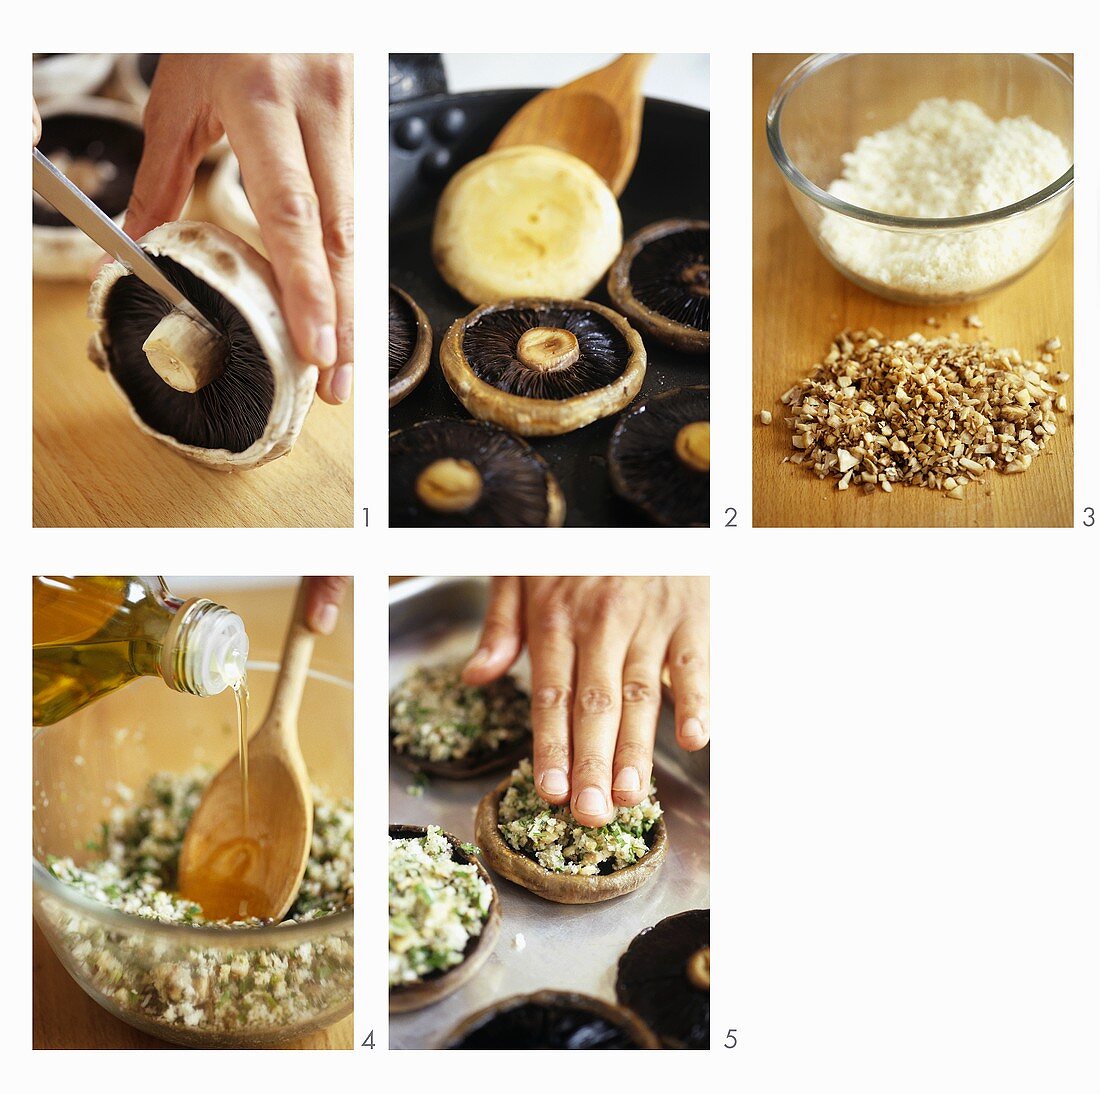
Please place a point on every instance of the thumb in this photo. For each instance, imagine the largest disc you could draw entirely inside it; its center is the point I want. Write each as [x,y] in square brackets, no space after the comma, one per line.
[501,633]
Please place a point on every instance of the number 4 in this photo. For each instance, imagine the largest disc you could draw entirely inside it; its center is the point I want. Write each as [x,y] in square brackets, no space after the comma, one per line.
[369,1042]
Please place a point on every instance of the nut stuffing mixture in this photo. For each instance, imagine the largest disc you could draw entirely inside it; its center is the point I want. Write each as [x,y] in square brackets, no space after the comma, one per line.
[206,988]
[435,716]
[933,412]
[436,906]
[550,835]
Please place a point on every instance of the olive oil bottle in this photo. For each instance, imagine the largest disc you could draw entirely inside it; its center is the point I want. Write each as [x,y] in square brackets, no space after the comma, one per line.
[93,635]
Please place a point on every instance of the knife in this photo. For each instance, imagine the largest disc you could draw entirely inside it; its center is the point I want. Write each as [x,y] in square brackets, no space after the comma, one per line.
[52,186]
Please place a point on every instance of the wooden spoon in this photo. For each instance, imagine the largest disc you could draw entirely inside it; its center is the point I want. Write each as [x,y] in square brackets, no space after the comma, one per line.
[597,118]
[235,872]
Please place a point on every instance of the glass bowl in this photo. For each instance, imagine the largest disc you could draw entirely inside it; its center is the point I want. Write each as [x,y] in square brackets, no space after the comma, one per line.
[202,986]
[831,100]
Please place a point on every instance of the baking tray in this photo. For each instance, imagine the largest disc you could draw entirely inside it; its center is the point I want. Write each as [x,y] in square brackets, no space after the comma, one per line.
[567,947]
[671,179]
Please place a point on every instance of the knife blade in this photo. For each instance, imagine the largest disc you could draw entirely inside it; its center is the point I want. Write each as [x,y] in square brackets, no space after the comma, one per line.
[52,186]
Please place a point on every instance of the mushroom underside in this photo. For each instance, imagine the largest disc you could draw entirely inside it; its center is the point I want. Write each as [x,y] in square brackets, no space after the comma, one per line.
[230,412]
[449,473]
[671,276]
[656,980]
[552,1020]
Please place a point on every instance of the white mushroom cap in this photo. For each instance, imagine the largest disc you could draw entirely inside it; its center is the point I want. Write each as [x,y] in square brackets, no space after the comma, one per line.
[233,269]
[229,204]
[70,74]
[62,252]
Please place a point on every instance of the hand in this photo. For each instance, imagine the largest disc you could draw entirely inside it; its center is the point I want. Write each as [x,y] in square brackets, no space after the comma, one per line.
[36,122]
[323,602]
[597,646]
[288,118]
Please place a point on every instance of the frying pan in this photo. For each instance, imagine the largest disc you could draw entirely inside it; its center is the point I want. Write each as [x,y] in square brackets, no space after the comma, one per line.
[430,139]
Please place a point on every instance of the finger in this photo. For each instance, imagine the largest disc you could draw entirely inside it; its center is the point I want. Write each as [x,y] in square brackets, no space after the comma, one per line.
[323,599]
[327,135]
[36,123]
[501,633]
[633,764]
[170,157]
[689,666]
[550,646]
[265,136]
[597,711]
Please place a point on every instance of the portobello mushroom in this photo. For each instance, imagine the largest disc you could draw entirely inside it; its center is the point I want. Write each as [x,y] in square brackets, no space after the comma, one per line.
[664,976]
[410,344]
[453,474]
[446,709]
[236,413]
[97,145]
[561,888]
[659,457]
[525,221]
[543,367]
[552,1019]
[69,74]
[438,985]
[661,281]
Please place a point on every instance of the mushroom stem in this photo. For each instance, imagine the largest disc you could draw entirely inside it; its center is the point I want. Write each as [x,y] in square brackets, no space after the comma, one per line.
[698,968]
[693,445]
[185,354]
[546,349]
[449,485]
[697,278]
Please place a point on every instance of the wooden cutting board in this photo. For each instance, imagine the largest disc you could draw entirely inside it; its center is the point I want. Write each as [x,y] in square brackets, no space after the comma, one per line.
[94,468]
[800,302]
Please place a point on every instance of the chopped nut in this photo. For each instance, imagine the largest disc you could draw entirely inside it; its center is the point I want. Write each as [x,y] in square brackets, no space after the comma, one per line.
[973,321]
[765,417]
[1052,344]
[1060,402]
[1061,377]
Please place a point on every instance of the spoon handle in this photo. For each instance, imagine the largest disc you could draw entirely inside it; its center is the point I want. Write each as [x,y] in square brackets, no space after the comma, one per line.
[297,652]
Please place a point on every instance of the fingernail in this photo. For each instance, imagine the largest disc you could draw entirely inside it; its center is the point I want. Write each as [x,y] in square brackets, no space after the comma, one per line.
[628,781]
[324,621]
[341,383]
[591,802]
[324,345]
[692,729]
[478,660]
[555,782]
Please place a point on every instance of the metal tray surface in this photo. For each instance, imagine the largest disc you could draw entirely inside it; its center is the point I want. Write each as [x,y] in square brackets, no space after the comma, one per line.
[671,179]
[567,947]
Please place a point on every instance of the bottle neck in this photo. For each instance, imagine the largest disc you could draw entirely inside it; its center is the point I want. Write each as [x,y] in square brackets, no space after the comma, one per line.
[205,649]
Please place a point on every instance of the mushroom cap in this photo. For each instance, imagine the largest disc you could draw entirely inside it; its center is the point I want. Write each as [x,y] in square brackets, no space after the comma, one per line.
[479,358]
[645,468]
[525,221]
[561,888]
[410,344]
[552,1019]
[229,205]
[60,251]
[69,74]
[517,487]
[438,985]
[661,281]
[653,980]
[228,267]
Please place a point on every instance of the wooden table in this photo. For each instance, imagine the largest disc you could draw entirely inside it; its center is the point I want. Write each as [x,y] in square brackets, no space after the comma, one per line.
[800,302]
[63,1016]
[93,467]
